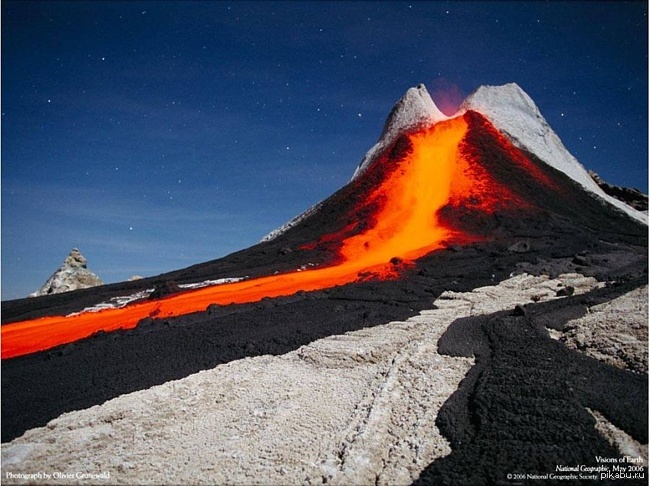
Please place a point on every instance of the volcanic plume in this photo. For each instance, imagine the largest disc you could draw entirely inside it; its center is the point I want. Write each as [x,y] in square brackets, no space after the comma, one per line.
[439,204]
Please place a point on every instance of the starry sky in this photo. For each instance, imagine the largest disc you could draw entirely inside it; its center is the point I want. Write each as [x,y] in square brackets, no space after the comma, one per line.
[155,135]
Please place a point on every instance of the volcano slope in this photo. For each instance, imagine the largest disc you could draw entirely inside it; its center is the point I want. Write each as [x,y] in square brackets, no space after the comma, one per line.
[522,407]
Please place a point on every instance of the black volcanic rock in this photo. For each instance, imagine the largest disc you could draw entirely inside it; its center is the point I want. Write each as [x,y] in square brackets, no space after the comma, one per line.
[629,195]
[163,289]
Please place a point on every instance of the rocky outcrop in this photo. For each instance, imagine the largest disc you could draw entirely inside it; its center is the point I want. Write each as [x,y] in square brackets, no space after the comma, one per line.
[615,332]
[72,275]
[629,195]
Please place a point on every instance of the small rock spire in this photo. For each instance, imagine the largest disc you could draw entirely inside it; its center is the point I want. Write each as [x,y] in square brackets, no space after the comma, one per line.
[72,275]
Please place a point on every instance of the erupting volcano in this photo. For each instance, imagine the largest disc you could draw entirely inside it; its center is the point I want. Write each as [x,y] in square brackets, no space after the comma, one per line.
[425,171]
[438,204]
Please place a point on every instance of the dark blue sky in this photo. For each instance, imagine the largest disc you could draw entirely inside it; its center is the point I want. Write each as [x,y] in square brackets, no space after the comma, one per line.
[155,135]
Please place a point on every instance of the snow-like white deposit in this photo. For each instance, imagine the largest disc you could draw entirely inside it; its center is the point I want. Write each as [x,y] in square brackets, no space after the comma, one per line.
[414,110]
[515,114]
[292,222]
[509,109]
[123,300]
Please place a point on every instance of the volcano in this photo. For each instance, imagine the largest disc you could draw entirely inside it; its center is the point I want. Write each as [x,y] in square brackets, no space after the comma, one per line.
[485,207]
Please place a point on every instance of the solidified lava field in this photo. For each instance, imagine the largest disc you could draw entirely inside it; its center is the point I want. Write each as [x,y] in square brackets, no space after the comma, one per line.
[522,406]
[529,393]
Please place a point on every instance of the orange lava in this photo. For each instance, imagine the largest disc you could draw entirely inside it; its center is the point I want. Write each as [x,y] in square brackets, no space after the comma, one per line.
[406,227]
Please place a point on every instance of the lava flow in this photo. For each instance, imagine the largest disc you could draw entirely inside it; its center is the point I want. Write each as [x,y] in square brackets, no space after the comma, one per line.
[404,226]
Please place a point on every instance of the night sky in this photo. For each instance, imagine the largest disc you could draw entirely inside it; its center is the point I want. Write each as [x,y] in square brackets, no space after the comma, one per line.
[156,135]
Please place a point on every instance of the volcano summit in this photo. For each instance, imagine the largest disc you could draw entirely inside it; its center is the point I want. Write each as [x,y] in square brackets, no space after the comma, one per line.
[361,301]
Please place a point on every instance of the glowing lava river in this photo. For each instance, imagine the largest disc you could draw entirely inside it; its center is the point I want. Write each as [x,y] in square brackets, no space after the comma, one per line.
[404,225]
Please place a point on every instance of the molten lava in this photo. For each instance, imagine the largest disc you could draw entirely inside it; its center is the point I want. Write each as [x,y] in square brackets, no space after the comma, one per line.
[403,227]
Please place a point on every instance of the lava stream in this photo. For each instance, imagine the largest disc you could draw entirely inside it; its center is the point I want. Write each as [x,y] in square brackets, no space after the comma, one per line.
[405,226]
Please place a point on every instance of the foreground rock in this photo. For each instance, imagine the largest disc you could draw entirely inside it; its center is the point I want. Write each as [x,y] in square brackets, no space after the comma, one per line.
[614,332]
[72,275]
